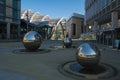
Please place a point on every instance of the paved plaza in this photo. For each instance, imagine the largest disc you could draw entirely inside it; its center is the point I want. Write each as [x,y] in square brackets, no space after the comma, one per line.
[44,66]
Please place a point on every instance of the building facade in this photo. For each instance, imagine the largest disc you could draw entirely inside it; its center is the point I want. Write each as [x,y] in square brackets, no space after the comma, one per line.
[10,19]
[103,19]
[74,25]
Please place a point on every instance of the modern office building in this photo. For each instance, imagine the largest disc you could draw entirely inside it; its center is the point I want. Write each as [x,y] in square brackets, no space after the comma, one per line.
[103,20]
[10,19]
[74,25]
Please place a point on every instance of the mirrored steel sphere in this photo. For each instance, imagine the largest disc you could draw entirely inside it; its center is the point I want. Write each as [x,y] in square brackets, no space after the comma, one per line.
[88,55]
[67,42]
[32,40]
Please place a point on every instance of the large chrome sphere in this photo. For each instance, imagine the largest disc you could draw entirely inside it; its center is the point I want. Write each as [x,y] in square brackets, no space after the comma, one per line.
[32,40]
[67,42]
[88,55]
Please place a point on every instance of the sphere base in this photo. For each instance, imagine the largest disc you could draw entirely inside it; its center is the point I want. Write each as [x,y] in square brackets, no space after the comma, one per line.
[77,71]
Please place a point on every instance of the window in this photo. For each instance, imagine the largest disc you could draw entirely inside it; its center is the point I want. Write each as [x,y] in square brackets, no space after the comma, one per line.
[15,4]
[2,12]
[2,1]
[15,15]
[74,29]
[1,9]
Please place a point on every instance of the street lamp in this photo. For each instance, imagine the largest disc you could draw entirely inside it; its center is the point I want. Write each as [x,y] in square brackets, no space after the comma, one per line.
[90,27]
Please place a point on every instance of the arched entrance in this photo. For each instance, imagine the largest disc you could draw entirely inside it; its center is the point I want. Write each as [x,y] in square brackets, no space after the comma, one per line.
[59,29]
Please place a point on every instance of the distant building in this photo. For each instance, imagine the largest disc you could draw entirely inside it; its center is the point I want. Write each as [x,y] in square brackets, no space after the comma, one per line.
[49,28]
[10,19]
[75,25]
[103,19]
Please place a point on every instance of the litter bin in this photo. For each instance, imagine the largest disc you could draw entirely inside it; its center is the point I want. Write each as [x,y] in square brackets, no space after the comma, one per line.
[117,44]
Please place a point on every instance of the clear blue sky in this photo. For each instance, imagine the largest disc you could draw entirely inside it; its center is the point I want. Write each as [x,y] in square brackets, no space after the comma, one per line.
[54,8]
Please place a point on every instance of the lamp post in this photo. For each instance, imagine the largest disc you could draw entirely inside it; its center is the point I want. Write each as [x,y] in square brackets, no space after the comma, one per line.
[27,15]
[90,27]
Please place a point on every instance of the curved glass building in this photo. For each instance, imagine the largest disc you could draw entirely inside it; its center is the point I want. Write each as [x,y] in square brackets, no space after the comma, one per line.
[49,28]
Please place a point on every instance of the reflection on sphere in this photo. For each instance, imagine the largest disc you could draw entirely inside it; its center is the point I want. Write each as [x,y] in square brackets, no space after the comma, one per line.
[67,42]
[88,55]
[32,40]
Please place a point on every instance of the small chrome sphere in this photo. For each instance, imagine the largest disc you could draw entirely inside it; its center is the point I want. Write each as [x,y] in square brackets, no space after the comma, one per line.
[88,55]
[67,42]
[32,40]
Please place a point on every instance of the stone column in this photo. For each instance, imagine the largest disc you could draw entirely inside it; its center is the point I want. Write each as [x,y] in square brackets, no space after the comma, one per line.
[95,25]
[95,28]
[8,30]
[19,32]
[114,18]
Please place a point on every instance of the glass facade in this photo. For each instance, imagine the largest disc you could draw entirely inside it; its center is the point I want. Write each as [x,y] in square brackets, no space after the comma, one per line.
[15,4]
[100,11]
[94,7]
[2,1]
[2,9]
[10,19]
[16,10]
[106,13]
[15,15]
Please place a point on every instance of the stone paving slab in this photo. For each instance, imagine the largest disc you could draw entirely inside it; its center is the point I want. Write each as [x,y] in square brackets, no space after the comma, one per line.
[12,76]
[44,66]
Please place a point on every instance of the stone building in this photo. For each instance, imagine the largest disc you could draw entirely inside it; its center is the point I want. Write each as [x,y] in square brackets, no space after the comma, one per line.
[74,25]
